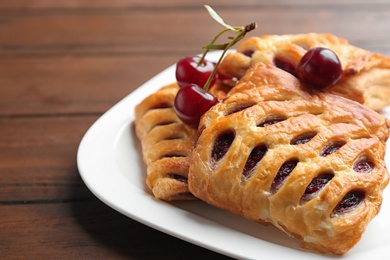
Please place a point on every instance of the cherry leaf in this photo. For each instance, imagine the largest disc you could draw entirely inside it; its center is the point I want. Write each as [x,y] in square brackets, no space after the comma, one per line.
[215,46]
[217,18]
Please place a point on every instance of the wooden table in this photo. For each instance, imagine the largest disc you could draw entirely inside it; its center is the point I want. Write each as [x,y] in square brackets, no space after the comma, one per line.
[64,63]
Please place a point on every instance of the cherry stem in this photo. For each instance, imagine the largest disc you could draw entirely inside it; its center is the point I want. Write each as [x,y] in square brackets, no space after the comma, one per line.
[242,32]
[212,42]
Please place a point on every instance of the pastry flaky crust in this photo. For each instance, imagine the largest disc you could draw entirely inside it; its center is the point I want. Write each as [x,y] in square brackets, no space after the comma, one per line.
[366,75]
[166,144]
[270,109]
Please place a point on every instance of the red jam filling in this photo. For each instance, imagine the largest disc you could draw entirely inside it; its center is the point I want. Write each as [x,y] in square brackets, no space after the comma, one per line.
[363,166]
[350,201]
[254,158]
[282,174]
[302,139]
[331,148]
[315,185]
[222,145]
[285,65]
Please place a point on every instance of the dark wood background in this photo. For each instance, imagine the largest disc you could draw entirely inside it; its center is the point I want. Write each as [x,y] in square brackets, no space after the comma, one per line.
[64,63]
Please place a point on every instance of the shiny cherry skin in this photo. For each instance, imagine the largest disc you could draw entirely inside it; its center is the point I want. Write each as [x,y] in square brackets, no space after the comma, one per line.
[188,71]
[192,102]
[320,67]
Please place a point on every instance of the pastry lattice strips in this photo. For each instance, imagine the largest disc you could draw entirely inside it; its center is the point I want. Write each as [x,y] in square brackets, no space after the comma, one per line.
[366,75]
[310,164]
[166,143]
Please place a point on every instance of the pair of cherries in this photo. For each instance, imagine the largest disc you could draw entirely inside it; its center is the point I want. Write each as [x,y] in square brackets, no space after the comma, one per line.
[193,99]
[319,67]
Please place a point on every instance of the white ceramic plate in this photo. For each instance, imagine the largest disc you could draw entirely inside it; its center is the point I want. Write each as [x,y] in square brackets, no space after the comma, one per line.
[110,163]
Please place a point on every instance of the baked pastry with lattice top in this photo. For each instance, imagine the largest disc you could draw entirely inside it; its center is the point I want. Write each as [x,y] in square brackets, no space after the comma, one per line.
[166,144]
[311,164]
[366,75]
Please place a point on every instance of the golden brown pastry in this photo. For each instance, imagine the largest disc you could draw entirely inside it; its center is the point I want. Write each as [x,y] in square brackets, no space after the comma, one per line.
[166,145]
[311,164]
[366,75]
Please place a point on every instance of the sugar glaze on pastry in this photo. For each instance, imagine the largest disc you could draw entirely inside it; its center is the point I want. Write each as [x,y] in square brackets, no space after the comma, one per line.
[366,75]
[311,164]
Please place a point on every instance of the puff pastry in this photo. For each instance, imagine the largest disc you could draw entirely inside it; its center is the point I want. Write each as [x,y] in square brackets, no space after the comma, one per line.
[366,75]
[311,164]
[166,144]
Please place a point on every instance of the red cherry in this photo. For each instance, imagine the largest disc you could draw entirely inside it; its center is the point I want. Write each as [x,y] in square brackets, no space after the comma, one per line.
[320,67]
[189,71]
[191,103]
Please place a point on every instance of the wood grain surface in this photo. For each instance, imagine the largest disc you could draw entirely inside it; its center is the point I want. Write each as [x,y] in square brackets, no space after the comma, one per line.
[64,63]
